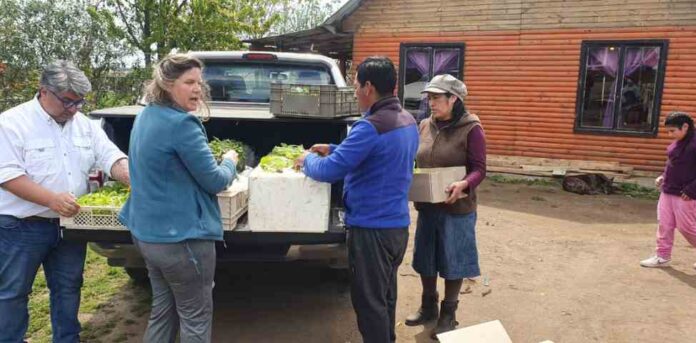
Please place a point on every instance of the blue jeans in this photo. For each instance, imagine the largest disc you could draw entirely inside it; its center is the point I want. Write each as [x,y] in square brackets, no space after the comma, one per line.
[24,246]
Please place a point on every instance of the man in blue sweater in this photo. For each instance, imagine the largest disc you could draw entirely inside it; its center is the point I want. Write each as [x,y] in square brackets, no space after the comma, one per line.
[376,163]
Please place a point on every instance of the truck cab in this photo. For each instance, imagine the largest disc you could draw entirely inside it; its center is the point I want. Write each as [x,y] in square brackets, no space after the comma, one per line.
[239,85]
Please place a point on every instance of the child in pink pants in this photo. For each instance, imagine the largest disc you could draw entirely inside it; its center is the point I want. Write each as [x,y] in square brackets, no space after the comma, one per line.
[677,205]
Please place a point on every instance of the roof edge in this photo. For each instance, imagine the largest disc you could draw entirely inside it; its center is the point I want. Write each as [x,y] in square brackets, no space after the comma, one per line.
[347,9]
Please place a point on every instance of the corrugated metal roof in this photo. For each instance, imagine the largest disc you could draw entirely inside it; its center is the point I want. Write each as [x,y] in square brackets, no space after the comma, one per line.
[326,39]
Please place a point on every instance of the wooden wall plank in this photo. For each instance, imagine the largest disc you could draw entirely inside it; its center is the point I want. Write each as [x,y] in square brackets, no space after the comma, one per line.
[523,85]
[522,62]
[486,15]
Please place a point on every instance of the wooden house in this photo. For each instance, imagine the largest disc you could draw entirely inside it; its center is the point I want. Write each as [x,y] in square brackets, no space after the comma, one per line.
[576,79]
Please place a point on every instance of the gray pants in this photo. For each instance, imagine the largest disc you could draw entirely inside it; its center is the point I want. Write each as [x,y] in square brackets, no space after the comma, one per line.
[181,275]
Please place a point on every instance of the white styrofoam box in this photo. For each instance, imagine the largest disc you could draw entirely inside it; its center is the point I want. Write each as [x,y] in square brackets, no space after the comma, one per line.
[234,202]
[489,332]
[287,202]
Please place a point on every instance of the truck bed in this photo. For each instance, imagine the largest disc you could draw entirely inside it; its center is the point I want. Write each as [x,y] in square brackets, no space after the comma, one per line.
[238,111]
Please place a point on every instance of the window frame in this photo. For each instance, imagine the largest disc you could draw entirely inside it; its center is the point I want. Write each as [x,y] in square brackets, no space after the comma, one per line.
[659,86]
[402,64]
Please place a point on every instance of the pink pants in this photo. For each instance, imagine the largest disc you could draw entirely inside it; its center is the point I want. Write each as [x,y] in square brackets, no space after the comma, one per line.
[673,212]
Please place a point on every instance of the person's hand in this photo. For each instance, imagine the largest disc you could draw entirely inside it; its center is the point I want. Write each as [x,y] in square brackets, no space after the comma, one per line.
[685,197]
[232,156]
[64,204]
[658,182]
[299,162]
[456,191]
[119,171]
[321,149]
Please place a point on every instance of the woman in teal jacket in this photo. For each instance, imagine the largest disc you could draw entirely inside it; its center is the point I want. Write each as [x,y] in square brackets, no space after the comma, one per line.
[172,212]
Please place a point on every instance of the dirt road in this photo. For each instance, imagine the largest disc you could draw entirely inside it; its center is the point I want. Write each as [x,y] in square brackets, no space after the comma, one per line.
[560,266]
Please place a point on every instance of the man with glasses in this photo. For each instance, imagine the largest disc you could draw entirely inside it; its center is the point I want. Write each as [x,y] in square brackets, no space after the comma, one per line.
[47,148]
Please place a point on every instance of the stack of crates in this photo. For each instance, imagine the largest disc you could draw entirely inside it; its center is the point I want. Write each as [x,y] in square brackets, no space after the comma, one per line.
[313,101]
[233,202]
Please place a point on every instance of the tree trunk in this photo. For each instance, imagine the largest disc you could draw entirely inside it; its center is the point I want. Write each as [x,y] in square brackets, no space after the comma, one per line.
[147,50]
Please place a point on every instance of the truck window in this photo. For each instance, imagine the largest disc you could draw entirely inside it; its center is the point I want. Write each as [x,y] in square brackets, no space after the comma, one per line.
[251,82]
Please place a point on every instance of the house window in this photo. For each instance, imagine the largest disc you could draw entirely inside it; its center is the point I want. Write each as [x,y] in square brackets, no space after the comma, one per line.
[620,87]
[418,64]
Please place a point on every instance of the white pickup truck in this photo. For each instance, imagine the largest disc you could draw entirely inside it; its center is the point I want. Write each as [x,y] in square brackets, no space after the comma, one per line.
[240,91]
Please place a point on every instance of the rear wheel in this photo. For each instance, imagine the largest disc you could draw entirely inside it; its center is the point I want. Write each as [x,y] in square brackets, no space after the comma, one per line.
[340,275]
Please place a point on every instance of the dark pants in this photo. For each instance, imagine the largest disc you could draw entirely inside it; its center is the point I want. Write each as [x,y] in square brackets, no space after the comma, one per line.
[24,246]
[374,256]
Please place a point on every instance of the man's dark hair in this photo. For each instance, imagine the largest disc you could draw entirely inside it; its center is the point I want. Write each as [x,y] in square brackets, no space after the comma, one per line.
[678,119]
[380,72]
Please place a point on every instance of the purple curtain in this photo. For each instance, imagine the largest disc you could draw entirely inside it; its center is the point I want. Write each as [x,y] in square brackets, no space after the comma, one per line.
[604,60]
[419,60]
[607,61]
[445,60]
[640,57]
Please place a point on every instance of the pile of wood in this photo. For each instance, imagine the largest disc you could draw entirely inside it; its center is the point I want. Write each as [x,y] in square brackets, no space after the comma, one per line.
[535,166]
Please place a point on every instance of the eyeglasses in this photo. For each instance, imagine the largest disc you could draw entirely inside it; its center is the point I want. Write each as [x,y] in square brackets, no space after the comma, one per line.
[67,103]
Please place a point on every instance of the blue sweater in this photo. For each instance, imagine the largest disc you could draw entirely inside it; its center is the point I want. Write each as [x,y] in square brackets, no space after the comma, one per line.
[376,160]
[174,179]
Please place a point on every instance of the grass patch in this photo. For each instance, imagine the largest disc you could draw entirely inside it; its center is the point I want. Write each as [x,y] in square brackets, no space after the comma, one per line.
[101,283]
[523,180]
[39,311]
[121,337]
[630,190]
[637,191]
[92,334]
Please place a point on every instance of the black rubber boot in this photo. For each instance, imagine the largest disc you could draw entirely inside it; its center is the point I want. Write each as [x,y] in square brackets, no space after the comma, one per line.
[427,312]
[447,320]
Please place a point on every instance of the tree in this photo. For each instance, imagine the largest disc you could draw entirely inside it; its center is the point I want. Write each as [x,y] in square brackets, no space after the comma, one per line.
[35,32]
[302,15]
[155,27]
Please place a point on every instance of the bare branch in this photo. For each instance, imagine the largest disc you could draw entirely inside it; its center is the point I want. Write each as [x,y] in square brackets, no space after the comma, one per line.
[129,29]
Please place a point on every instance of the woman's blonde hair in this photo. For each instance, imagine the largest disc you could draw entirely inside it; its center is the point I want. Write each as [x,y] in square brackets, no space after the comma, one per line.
[165,72]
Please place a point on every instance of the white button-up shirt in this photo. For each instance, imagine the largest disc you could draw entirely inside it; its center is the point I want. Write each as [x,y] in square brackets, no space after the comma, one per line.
[56,157]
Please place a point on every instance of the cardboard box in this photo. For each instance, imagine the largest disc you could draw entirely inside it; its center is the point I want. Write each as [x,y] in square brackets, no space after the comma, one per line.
[429,183]
[287,202]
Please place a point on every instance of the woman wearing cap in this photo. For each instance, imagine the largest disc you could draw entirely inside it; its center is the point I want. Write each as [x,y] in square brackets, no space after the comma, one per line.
[445,240]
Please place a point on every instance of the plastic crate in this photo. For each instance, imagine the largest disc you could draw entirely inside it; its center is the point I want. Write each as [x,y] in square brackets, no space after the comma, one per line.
[234,203]
[313,101]
[94,218]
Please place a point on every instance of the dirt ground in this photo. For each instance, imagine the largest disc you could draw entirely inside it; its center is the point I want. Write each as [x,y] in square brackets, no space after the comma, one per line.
[560,267]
